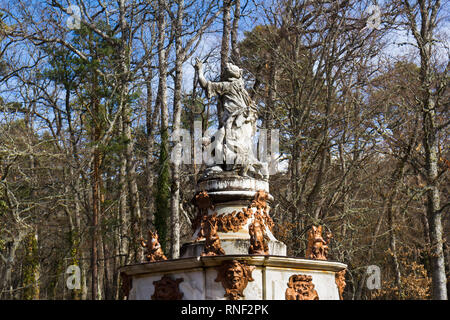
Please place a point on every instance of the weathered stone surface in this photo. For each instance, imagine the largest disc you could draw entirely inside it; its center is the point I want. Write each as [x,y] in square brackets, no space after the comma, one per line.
[234,275]
[193,283]
[231,247]
[154,251]
[231,182]
[270,277]
[277,279]
[233,141]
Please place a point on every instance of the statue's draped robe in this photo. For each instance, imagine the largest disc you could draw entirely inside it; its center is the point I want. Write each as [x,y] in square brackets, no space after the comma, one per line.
[239,119]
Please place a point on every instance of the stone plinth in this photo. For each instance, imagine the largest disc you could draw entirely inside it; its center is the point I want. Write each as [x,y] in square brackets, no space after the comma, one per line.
[233,254]
[226,186]
[268,279]
[231,246]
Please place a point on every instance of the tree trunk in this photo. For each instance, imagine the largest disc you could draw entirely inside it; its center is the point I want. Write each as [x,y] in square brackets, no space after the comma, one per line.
[235,56]
[427,12]
[434,215]
[162,192]
[151,116]
[135,209]
[136,219]
[224,51]
[95,217]
[96,196]
[175,190]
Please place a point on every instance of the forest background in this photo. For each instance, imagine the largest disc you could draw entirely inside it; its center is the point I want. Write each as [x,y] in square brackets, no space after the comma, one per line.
[91,92]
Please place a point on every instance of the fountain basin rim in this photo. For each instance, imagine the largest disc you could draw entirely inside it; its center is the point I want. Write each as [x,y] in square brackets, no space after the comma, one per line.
[186,264]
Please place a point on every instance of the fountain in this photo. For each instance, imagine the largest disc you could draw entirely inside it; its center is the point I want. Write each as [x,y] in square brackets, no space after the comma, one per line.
[233,253]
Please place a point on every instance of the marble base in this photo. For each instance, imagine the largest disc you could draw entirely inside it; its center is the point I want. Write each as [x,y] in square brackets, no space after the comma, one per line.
[271,276]
[229,181]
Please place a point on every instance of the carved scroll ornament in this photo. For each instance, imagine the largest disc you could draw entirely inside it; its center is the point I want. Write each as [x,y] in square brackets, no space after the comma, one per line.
[300,287]
[167,289]
[258,237]
[235,221]
[154,251]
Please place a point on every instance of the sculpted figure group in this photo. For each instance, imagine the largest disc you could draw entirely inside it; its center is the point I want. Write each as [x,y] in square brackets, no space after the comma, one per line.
[300,287]
[317,247]
[213,223]
[154,250]
[233,142]
[232,145]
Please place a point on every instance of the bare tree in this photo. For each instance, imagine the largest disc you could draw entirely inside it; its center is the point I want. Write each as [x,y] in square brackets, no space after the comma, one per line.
[422,21]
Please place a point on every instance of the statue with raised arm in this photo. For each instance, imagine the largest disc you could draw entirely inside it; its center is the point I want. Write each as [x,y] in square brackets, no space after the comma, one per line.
[233,142]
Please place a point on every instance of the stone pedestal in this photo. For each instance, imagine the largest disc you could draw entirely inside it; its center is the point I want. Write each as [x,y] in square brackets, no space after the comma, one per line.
[270,277]
[229,196]
[233,253]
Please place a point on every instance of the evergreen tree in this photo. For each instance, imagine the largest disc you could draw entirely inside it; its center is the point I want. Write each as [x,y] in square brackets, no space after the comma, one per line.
[162,197]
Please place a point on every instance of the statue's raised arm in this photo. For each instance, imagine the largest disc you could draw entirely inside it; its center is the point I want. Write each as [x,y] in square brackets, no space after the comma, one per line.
[232,90]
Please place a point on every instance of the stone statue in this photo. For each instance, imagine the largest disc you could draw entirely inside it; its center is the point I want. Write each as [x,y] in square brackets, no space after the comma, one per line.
[258,238]
[233,142]
[154,250]
[317,247]
[340,282]
[212,241]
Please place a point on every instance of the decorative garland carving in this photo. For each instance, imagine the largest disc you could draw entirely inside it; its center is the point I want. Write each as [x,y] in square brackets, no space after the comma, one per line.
[340,282]
[300,287]
[258,237]
[227,222]
[127,284]
[233,221]
[209,232]
[234,276]
[260,200]
[154,250]
[317,247]
[167,289]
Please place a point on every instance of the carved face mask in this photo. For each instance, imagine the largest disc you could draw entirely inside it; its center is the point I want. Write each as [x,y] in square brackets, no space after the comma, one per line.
[235,276]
